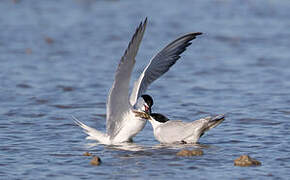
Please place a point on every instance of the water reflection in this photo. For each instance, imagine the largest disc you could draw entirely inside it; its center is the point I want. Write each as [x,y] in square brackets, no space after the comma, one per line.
[180,146]
[140,147]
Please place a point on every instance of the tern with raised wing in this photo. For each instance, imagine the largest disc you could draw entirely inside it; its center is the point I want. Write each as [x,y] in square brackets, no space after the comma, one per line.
[122,124]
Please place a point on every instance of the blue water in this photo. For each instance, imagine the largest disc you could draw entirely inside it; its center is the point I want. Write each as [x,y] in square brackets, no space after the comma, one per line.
[58,58]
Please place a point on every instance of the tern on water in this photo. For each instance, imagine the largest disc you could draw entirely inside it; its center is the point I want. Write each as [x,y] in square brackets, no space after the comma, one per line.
[122,124]
[169,132]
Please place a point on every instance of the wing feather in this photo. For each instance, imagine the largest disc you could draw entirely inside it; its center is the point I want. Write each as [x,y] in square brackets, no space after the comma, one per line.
[118,98]
[160,64]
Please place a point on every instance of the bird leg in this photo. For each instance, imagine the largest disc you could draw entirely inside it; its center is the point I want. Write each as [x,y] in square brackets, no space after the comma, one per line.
[183,142]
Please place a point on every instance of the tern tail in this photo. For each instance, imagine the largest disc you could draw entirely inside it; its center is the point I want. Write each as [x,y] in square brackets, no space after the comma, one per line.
[215,121]
[92,133]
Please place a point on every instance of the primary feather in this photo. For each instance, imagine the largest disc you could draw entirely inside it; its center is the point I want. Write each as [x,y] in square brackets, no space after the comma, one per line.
[160,64]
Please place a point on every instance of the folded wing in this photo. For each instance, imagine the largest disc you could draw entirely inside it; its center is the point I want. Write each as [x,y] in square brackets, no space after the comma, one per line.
[174,131]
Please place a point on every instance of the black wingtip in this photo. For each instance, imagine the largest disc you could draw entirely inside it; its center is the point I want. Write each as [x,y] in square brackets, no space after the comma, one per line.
[193,35]
[143,23]
[198,33]
[218,117]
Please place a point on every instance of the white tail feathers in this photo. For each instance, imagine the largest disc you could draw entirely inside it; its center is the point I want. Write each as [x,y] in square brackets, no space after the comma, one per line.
[92,133]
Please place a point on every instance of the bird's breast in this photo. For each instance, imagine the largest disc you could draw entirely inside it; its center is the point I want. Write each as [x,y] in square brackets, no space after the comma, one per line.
[130,126]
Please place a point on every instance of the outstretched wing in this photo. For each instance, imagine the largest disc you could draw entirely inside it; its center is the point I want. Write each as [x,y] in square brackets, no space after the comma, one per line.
[160,64]
[118,98]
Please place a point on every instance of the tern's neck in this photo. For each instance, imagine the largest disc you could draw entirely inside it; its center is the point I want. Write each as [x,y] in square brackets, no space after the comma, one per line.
[155,124]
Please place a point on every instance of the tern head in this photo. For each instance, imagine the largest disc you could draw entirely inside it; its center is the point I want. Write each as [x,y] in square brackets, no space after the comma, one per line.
[159,117]
[145,103]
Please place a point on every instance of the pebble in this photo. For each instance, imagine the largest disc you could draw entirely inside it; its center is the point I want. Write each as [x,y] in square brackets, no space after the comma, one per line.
[87,154]
[246,160]
[48,40]
[28,50]
[185,152]
[96,161]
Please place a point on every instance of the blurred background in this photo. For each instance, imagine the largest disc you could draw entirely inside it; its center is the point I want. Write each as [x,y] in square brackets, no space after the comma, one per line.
[58,58]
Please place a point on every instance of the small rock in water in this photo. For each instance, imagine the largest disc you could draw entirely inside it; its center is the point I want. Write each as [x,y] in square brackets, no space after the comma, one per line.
[16,1]
[87,154]
[96,161]
[245,160]
[49,40]
[185,152]
[28,50]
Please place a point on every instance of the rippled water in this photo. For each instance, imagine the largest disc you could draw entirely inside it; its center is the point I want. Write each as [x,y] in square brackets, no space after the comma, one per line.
[58,59]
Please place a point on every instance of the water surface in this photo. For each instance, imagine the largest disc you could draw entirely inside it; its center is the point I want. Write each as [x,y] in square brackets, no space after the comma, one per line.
[58,58]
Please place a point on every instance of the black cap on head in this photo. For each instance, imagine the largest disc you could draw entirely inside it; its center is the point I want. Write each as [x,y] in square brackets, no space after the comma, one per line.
[159,117]
[148,99]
